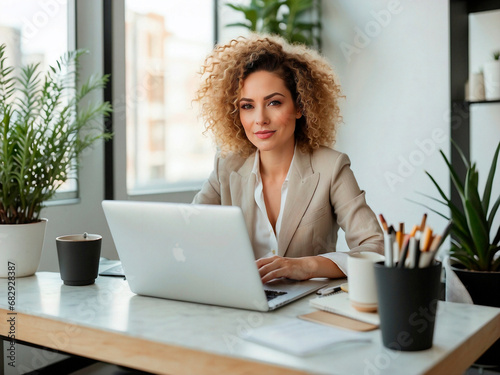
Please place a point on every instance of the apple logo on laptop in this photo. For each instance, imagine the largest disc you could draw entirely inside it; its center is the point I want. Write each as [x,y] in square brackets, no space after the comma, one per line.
[178,253]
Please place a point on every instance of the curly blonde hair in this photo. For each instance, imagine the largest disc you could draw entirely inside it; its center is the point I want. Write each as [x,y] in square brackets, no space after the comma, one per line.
[307,75]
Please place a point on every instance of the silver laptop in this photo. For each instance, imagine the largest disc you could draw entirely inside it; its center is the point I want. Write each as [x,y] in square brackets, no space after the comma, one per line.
[195,253]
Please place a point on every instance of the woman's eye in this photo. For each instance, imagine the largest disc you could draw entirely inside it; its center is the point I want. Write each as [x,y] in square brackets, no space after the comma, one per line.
[275,102]
[246,106]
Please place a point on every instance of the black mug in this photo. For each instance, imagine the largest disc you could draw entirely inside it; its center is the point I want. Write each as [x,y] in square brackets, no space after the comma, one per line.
[78,256]
[407,305]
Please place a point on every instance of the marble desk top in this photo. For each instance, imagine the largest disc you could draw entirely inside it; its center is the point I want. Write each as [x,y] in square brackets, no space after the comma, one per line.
[109,305]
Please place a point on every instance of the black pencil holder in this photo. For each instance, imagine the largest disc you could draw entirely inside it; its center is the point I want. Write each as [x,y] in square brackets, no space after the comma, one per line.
[407,305]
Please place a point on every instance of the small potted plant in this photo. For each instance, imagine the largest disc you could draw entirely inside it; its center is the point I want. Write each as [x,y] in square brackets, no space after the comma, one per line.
[475,242]
[492,77]
[46,121]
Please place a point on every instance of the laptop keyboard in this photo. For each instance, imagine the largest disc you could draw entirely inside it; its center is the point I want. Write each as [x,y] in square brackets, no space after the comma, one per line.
[271,294]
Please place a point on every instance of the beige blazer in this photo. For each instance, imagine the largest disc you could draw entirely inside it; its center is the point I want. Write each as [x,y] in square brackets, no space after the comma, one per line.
[323,195]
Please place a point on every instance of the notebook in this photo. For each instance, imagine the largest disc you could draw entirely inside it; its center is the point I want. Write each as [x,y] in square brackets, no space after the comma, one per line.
[195,253]
[335,320]
[303,338]
[340,304]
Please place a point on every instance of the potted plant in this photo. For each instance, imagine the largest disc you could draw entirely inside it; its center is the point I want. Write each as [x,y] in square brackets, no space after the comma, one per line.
[492,77]
[475,242]
[282,17]
[46,121]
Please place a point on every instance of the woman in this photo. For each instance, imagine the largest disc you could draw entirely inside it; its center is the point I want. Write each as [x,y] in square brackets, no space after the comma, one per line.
[273,110]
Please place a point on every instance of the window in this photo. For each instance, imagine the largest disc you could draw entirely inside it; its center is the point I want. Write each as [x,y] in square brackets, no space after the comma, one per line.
[166,43]
[39,32]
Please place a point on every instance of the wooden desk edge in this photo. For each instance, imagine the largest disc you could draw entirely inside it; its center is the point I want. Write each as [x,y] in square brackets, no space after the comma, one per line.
[129,351]
[458,361]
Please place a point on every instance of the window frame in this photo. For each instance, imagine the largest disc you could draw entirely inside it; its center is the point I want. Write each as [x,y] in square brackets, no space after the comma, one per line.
[115,155]
[70,196]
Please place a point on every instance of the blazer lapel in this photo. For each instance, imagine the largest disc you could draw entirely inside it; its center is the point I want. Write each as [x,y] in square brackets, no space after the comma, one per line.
[242,186]
[301,187]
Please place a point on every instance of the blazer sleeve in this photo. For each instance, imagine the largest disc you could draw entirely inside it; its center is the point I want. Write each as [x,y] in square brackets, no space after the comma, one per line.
[210,191]
[354,216]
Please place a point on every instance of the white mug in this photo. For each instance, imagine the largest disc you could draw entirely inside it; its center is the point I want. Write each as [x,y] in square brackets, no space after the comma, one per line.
[361,279]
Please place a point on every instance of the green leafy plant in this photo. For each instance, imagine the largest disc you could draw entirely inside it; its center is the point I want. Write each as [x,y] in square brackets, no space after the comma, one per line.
[46,121]
[472,245]
[281,17]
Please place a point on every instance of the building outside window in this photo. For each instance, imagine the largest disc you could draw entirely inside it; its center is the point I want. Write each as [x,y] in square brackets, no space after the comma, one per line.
[166,43]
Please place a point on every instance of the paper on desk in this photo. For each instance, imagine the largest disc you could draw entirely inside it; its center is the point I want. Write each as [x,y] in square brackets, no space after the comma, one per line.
[455,289]
[341,305]
[302,338]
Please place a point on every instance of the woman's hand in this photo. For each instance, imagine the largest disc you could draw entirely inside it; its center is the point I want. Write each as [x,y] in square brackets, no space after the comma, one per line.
[297,268]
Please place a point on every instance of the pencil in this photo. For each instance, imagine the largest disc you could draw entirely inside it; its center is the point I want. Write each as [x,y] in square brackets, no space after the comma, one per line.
[395,251]
[435,242]
[414,230]
[406,238]
[399,240]
[401,235]
[422,224]
[384,223]
[404,253]
[416,261]
[412,249]
[441,237]
[388,250]
[426,240]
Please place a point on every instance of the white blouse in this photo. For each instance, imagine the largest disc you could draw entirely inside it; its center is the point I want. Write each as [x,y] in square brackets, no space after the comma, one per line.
[265,241]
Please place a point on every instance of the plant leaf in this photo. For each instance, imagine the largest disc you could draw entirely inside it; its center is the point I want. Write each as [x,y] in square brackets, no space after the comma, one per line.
[456,214]
[432,198]
[441,192]
[471,192]
[479,232]
[461,153]
[240,24]
[489,181]
[466,241]
[493,212]
[429,208]
[462,258]
[238,8]
[454,177]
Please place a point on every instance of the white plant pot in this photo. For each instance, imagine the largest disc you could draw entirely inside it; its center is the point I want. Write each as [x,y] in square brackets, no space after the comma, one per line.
[21,245]
[492,80]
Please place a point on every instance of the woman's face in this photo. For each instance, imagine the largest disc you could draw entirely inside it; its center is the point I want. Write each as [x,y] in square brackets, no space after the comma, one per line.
[268,112]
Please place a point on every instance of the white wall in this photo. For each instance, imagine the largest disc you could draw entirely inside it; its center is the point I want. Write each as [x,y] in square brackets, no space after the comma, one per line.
[484,38]
[392,59]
